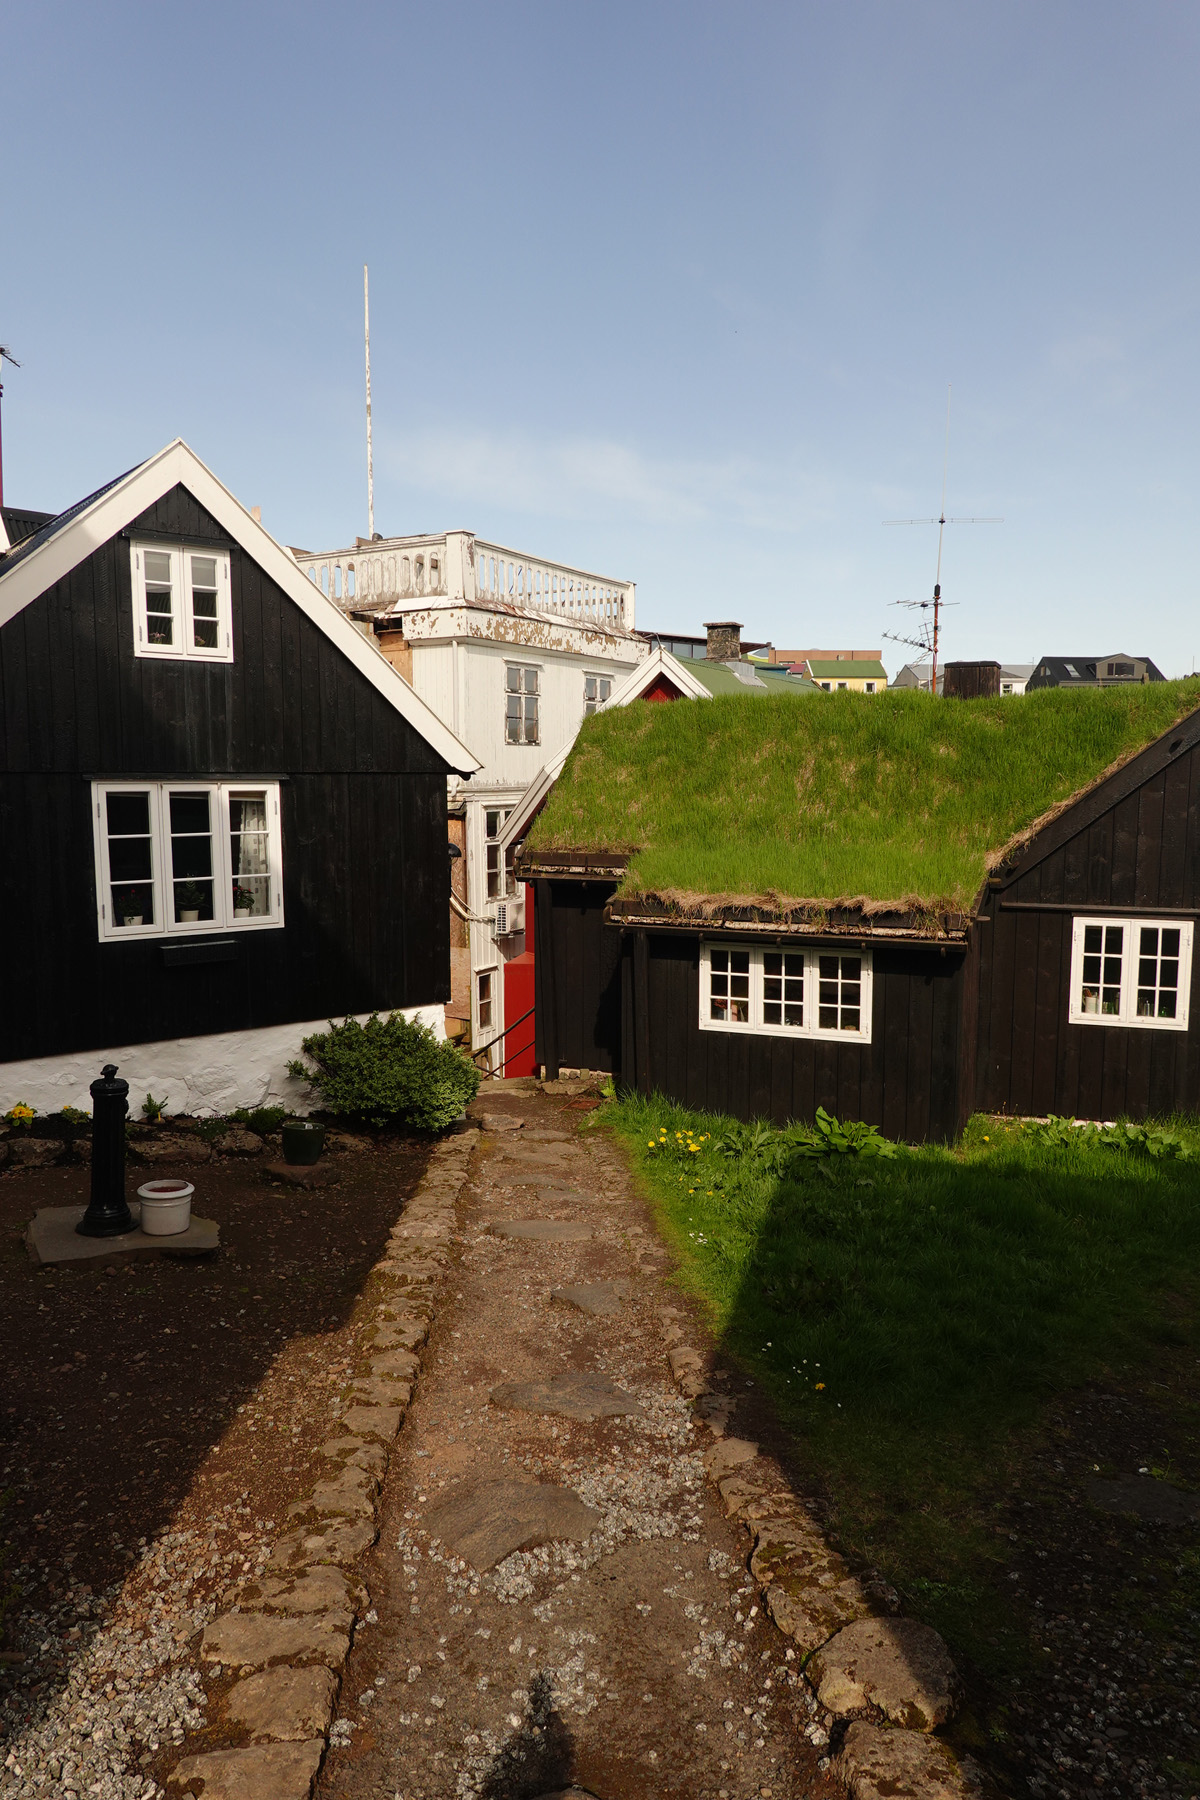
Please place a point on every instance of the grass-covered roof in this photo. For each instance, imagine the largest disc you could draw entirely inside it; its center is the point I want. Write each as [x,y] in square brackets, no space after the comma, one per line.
[896,797]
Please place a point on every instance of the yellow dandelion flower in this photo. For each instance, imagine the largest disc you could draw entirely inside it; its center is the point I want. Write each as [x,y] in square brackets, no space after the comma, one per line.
[820,1385]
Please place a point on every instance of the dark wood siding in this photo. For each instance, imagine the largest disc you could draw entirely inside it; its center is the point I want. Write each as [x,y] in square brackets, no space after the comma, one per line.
[366,876]
[904,1081]
[577,992]
[1138,853]
[633,999]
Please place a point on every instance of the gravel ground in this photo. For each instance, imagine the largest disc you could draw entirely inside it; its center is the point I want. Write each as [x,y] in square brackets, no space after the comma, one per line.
[165,1415]
[636,1663]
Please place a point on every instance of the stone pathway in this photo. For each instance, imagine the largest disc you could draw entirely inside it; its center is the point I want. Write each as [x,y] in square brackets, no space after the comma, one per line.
[557,1596]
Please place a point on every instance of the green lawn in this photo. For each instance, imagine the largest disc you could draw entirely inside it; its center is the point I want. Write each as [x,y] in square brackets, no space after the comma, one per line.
[891,796]
[912,1317]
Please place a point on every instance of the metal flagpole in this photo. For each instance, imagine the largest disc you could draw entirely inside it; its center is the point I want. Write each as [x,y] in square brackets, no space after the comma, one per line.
[370,460]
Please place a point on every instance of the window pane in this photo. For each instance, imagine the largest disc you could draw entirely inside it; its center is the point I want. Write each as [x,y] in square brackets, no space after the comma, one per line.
[189,812]
[250,854]
[531,681]
[204,572]
[159,608]
[512,680]
[1170,942]
[1149,943]
[191,856]
[129,859]
[128,813]
[1093,939]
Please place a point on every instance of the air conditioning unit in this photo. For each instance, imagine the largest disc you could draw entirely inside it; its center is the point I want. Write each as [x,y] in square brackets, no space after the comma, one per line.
[508,915]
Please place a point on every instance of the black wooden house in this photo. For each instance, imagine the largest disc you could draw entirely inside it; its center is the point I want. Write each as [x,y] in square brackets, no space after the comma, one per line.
[223,812]
[1062,981]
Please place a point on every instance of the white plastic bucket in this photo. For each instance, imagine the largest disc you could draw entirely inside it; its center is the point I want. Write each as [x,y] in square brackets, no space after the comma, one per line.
[166,1207]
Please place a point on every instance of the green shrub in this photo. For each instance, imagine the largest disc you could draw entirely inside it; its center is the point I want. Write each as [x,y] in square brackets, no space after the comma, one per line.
[389,1071]
[262,1119]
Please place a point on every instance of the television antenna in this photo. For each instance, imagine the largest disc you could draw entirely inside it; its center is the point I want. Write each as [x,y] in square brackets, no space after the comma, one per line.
[6,355]
[929,631]
[370,457]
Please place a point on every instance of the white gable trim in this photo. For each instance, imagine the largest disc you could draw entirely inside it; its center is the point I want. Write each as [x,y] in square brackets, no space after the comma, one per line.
[117,508]
[522,814]
[632,687]
[659,662]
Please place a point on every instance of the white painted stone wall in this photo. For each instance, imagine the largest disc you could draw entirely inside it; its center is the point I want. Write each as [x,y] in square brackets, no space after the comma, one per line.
[201,1075]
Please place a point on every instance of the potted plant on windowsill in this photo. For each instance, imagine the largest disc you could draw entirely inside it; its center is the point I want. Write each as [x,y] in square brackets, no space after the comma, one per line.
[243,902]
[189,898]
[133,906]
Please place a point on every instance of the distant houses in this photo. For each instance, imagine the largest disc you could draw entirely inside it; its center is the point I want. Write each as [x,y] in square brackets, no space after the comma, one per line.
[1116,670]
[224,812]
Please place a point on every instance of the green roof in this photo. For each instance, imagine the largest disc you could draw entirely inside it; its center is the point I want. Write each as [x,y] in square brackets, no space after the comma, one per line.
[894,797]
[762,679]
[845,670]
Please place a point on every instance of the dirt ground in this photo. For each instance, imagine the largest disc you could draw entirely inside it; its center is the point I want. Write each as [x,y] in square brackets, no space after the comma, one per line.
[170,1396]
[636,1665]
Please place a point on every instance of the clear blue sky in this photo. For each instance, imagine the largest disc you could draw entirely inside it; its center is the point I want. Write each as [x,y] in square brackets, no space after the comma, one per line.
[669,291]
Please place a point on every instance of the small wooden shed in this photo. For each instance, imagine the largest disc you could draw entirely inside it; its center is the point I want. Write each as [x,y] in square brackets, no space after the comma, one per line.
[902,913]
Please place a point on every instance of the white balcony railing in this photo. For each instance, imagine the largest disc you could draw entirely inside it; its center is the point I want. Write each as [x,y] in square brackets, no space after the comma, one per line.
[393,572]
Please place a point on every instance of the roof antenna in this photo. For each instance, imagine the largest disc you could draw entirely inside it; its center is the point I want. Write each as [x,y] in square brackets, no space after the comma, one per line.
[927,641]
[370,462]
[6,355]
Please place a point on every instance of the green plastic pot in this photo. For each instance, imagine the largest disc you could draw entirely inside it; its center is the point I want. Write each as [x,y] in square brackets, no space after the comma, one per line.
[303,1141]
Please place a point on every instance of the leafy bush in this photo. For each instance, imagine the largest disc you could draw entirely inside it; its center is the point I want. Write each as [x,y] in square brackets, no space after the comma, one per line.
[262,1119]
[388,1071]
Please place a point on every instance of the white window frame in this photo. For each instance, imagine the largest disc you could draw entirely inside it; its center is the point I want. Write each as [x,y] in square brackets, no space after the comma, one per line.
[868,687]
[755,1025]
[165,924]
[592,703]
[1128,1018]
[524,694]
[181,596]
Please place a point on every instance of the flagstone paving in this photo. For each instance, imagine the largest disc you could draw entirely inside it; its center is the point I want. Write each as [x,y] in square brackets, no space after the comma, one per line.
[557,1599]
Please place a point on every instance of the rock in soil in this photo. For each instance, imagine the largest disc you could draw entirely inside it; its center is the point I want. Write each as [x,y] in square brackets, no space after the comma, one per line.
[567,1395]
[880,1764]
[262,1772]
[898,1665]
[486,1521]
[284,1705]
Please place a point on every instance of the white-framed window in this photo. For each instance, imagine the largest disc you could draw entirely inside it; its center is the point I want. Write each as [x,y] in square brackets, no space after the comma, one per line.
[789,991]
[181,603]
[596,690]
[868,687]
[186,856]
[499,867]
[1006,687]
[1131,972]
[521,704]
[826,687]
[485,997]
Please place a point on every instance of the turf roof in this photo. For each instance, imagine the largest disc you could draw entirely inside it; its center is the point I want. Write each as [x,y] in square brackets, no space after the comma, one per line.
[895,797]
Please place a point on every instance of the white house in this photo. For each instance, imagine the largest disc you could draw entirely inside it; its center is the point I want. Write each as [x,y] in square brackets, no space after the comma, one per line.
[512,651]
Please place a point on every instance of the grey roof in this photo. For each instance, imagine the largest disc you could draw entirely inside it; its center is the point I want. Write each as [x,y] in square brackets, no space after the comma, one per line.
[20,523]
[1069,671]
[54,524]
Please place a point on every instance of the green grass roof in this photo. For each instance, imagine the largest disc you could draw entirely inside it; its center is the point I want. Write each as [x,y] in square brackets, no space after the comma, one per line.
[719,678]
[893,797]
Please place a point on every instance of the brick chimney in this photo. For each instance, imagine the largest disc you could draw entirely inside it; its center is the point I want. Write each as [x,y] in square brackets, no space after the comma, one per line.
[724,642]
